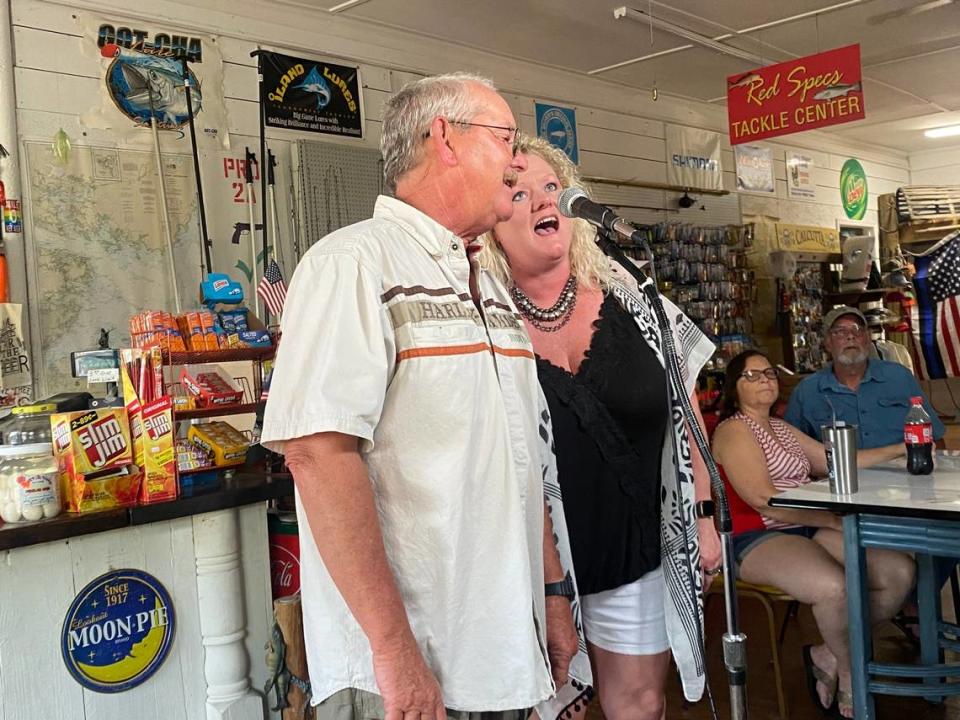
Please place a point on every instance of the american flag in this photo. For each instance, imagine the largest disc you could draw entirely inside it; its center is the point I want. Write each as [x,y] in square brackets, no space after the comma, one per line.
[935,317]
[272,288]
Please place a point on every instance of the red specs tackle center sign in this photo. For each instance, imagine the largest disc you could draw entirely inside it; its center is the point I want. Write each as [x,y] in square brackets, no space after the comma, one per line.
[803,94]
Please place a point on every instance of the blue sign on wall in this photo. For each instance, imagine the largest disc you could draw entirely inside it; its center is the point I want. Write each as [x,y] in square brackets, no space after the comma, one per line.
[558,126]
[118,631]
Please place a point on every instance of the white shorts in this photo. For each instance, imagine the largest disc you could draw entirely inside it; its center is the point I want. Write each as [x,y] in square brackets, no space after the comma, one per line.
[629,619]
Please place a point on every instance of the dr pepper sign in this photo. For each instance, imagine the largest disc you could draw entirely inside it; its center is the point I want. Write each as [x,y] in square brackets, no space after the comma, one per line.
[803,94]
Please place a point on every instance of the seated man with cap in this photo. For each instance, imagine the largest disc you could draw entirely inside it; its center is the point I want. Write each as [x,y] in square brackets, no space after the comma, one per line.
[865,391]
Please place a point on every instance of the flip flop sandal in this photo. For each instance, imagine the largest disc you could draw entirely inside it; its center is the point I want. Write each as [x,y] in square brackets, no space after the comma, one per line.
[845,700]
[814,675]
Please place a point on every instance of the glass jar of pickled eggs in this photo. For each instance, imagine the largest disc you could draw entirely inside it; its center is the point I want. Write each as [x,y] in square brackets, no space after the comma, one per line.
[29,485]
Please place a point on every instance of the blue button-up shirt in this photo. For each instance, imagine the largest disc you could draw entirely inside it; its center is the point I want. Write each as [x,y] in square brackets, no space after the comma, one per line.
[877,407]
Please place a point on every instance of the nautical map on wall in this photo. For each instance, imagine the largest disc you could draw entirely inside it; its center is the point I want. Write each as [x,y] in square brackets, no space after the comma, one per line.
[99,253]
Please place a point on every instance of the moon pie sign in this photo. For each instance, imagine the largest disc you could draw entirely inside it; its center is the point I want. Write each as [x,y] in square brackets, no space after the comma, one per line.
[118,631]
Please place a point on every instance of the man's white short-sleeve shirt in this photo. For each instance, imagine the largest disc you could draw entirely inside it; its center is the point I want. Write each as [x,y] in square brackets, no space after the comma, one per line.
[382,340]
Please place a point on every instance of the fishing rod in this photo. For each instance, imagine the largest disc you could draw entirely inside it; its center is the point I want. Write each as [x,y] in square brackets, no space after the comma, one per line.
[196,168]
[258,54]
[165,215]
[276,247]
[250,160]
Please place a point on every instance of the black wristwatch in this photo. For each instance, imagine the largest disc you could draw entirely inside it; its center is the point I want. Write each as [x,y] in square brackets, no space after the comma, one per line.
[563,588]
[705,508]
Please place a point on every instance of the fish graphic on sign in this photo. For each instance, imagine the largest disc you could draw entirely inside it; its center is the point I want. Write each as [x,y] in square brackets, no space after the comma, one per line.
[142,85]
[838,90]
[314,84]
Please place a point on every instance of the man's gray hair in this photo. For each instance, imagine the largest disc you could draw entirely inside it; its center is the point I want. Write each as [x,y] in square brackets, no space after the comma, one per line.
[408,114]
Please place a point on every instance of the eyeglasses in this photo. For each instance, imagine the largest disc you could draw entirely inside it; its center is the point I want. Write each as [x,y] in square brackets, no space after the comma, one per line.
[848,330]
[512,139]
[771,373]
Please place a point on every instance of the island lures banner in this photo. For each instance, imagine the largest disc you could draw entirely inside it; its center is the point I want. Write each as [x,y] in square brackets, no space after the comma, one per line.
[804,94]
[311,95]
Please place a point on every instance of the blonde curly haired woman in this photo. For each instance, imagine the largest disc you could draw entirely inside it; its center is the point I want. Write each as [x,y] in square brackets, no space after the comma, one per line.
[628,473]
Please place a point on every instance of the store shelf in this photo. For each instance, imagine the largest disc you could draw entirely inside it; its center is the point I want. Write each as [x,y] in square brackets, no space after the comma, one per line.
[218,356]
[213,468]
[217,411]
[852,298]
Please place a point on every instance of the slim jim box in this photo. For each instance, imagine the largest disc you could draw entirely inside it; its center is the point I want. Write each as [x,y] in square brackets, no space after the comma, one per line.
[95,459]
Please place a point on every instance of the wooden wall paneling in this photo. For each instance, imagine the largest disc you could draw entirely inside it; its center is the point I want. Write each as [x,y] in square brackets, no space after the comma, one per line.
[53,52]
[622,168]
[258,600]
[183,588]
[55,92]
[617,142]
[144,548]
[36,589]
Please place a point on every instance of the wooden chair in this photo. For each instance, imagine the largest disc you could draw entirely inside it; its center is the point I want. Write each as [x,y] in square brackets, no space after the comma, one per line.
[767,595]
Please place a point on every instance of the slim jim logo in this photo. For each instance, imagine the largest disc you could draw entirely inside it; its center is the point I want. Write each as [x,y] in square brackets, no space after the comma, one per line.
[157,426]
[102,441]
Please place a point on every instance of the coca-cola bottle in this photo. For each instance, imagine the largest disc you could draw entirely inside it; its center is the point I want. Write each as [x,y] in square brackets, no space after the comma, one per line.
[918,437]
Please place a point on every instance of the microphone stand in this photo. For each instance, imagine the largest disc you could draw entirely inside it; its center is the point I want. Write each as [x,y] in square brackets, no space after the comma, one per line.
[734,641]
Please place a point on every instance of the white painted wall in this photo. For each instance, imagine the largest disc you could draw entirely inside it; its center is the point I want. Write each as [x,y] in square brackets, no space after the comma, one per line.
[935,167]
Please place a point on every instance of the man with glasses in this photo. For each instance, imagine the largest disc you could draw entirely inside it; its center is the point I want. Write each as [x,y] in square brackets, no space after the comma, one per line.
[865,391]
[406,401]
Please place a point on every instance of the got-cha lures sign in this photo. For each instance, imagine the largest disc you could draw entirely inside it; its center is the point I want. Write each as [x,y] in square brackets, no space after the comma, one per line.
[803,94]
[118,631]
[143,70]
[310,95]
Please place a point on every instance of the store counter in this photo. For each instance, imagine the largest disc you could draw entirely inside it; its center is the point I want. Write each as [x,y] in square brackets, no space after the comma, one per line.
[156,611]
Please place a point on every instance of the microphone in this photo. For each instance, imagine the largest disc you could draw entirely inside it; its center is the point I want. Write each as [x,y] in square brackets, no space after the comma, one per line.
[574,203]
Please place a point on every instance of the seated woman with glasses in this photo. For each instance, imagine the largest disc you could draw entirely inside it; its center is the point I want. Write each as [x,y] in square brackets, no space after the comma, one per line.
[798,551]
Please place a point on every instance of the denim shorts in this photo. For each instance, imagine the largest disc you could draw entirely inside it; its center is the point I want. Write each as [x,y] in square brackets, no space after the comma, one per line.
[745,542]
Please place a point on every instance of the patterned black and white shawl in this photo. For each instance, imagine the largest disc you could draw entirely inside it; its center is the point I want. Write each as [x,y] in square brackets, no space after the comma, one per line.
[679,543]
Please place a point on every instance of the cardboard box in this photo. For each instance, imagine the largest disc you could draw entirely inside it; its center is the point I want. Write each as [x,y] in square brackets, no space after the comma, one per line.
[225,444]
[152,435]
[211,385]
[94,453]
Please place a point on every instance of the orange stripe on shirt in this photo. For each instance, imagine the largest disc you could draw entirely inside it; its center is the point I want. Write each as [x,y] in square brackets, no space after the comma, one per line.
[442,350]
[514,352]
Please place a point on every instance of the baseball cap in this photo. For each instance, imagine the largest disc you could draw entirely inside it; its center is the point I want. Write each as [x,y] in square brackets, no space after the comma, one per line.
[838,312]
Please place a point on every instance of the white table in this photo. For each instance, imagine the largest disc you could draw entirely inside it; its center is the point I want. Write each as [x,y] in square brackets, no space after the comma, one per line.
[919,514]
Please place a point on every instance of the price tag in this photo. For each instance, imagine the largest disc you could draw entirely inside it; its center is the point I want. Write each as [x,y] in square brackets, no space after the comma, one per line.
[102,375]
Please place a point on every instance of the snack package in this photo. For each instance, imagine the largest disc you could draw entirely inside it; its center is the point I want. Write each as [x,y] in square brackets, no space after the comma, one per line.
[156,447]
[151,424]
[94,455]
[225,444]
[211,385]
[234,321]
[191,457]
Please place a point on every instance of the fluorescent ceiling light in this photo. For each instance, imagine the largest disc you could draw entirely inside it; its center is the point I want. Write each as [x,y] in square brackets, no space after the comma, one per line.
[940,132]
[696,38]
[345,6]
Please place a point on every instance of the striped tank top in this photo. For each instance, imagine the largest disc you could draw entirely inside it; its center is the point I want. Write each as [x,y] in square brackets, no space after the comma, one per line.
[786,462]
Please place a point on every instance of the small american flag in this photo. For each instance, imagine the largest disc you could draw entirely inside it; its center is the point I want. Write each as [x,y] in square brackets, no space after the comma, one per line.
[935,318]
[272,288]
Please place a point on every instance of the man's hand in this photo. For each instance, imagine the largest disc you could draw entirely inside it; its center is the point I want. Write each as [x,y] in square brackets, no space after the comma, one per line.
[710,553]
[407,686]
[562,639]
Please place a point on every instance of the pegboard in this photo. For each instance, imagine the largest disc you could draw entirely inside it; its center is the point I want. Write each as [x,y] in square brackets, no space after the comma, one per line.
[335,186]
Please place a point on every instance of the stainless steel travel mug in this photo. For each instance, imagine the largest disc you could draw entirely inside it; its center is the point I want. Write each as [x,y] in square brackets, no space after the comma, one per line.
[840,443]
